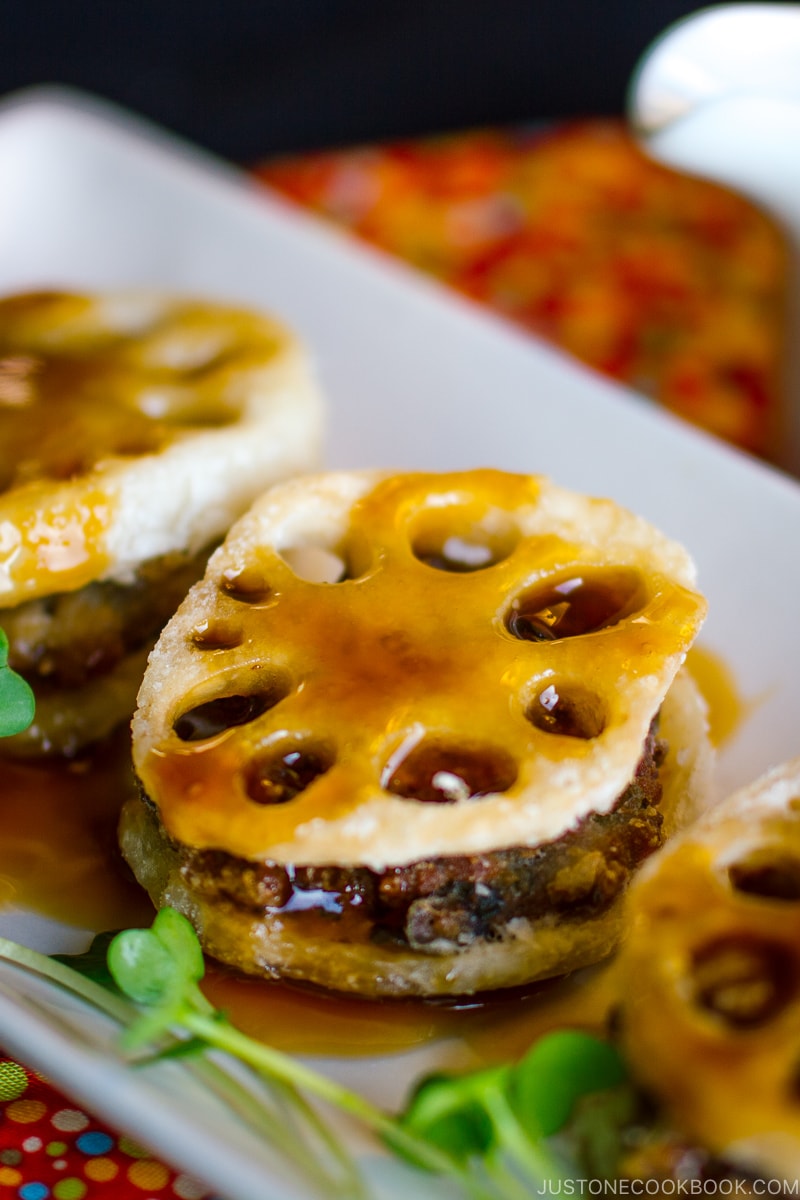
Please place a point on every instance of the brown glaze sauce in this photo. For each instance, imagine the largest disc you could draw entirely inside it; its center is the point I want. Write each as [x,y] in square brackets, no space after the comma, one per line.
[119,394]
[465,664]
[727,708]
[58,851]
[58,856]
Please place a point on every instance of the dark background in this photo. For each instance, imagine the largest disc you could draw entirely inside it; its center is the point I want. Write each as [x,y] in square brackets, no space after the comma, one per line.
[249,78]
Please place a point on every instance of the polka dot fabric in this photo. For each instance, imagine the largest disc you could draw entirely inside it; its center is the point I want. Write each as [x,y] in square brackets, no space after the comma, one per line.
[51,1150]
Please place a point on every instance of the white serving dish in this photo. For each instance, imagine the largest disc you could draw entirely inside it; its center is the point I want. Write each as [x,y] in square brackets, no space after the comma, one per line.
[417,378]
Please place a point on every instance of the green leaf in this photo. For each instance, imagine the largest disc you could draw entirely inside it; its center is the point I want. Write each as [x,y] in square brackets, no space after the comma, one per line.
[449,1112]
[280,1113]
[92,964]
[16,698]
[17,705]
[143,967]
[176,933]
[486,1130]
[560,1068]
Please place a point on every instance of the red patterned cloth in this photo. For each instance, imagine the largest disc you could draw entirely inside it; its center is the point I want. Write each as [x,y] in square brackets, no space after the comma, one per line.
[669,284]
[52,1150]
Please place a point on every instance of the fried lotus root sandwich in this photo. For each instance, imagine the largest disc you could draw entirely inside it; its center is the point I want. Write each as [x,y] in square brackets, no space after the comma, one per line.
[134,429]
[710,974]
[412,734]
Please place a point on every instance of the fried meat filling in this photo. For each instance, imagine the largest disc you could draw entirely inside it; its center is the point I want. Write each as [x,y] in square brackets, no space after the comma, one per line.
[439,905]
[67,639]
[74,644]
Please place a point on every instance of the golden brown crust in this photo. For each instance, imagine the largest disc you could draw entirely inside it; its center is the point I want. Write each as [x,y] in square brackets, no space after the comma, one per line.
[171,415]
[541,662]
[710,977]
[274,946]
[270,947]
[134,428]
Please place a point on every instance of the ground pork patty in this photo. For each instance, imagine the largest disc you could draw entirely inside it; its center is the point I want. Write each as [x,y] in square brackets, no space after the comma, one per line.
[68,639]
[438,904]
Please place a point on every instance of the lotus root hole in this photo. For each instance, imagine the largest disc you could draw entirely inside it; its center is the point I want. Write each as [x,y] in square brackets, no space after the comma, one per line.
[322,563]
[568,711]
[225,712]
[579,604]
[283,773]
[315,564]
[245,584]
[175,403]
[172,347]
[438,773]
[745,981]
[215,635]
[771,874]
[455,539]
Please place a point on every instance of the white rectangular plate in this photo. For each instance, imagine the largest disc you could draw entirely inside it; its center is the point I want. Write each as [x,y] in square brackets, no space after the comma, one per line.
[416,378]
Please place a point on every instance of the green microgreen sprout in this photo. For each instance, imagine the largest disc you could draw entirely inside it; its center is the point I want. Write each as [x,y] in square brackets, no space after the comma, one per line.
[269,1103]
[16,697]
[498,1133]
[160,970]
[498,1120]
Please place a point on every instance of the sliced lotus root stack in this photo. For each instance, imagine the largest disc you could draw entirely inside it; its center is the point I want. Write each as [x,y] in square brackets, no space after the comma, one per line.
[400,738]
[710,972]
[134,429]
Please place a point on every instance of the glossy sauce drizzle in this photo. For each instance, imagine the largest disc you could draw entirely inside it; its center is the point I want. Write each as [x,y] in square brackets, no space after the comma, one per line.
[58,851]
[58,856]
[87,385]
[726,706]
